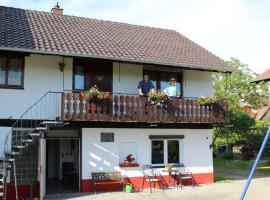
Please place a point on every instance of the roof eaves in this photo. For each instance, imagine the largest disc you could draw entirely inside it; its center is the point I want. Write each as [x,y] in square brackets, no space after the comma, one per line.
[122,59]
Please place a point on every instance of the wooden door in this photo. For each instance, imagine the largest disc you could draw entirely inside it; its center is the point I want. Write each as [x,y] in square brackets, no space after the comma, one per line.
[99,73]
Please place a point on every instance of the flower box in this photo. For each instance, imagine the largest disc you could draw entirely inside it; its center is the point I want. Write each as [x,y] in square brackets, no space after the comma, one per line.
[129,165]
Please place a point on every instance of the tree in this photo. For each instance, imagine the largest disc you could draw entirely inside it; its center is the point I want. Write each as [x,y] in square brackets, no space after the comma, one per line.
[239,90]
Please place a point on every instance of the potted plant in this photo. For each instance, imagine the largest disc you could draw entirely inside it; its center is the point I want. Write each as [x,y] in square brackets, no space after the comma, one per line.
[129,159]
[94,94]
[205,100]
[156,98]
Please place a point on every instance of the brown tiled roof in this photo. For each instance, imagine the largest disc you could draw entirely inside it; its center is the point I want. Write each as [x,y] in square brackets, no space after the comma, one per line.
[42,32]
[262,112]
[265,76]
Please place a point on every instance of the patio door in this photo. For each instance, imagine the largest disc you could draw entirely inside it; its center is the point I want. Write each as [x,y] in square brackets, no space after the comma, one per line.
[42,168]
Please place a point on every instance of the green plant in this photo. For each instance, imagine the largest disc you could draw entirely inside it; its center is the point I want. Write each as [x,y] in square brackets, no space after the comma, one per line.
[94,93]
[228,155]
[203,100]
[156,97]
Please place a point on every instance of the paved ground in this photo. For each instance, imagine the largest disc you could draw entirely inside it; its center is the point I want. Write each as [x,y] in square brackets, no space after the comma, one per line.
[259,190]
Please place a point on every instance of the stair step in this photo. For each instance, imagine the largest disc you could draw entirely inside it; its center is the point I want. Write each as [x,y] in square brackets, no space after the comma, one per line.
[10,159]
[1,180]
[12,153]
[1,194]
[41,129]
[53,122]
[28,141]
[1,186]
[34,134]
[18,146]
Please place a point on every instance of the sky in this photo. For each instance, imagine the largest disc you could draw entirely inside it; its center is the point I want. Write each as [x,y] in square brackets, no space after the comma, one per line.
[228,28]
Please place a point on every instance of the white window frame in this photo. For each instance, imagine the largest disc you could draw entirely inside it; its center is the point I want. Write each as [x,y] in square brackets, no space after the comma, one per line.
[165,151]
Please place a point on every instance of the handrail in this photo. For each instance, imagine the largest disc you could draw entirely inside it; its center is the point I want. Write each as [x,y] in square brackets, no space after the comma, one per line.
[21,116]
[36,116]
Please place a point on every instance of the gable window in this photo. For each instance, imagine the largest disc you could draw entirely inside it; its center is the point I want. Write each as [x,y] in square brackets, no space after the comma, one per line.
[165,151]
[11,71]
[160,79]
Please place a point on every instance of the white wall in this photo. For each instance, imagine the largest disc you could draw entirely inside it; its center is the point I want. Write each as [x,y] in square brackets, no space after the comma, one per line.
[197,83]
[126,77]
[42,74]
[100,156]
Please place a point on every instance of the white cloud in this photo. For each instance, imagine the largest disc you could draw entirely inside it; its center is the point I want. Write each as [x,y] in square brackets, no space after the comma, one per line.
[238,28]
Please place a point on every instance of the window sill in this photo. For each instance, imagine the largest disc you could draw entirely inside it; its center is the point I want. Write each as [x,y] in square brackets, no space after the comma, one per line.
[12,87]
[124,165]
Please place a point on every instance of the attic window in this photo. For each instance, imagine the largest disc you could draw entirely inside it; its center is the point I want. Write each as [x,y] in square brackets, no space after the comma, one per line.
[11,71]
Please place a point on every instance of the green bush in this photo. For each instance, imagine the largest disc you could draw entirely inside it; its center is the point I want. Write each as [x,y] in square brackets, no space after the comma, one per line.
[228,155]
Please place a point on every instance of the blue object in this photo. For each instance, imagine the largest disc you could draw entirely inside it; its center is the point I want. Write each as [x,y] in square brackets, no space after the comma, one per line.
[255,164]
[145,86]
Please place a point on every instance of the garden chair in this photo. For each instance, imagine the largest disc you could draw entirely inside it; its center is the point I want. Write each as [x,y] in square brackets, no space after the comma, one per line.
[152,176]
[182,174]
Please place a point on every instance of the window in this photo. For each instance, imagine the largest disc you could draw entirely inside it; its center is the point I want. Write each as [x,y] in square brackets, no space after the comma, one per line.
[11,71]
[79,78]
[157,152]
[160,79]
[165,152]
[107,137]
[173,151]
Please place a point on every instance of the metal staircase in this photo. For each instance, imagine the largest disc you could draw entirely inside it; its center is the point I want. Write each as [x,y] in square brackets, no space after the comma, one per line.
[20,148]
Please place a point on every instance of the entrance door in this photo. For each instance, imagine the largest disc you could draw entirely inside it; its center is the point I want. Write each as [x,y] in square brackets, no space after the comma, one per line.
[92,73]
[42,167]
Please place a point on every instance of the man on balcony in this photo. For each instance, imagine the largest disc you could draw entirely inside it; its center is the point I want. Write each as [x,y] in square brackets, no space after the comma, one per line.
[145,86]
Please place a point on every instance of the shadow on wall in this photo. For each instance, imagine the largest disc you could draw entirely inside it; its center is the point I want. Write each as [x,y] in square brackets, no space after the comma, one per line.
[101,159]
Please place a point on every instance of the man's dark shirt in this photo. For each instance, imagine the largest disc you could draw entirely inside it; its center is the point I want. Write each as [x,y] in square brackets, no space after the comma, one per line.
[145,86]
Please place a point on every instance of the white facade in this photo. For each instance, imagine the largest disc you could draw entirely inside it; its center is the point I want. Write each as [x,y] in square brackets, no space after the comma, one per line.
[106,156]
[42,74]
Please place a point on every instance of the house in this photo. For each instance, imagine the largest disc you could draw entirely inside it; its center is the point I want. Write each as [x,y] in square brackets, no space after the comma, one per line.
[265,76]
[53,138]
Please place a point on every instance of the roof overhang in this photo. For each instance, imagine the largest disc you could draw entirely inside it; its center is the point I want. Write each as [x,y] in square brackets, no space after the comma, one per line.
[122,59]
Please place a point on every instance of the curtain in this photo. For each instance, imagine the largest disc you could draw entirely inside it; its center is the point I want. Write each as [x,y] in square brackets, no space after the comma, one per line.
[2,70]
[15,72]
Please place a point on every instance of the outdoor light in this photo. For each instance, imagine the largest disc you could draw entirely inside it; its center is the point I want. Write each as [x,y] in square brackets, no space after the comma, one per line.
[61,66]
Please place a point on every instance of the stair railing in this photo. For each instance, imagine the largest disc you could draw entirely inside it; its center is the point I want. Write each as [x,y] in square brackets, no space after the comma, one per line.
[47,107]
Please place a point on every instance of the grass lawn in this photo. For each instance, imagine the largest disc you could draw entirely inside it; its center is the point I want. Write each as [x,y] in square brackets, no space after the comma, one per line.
[236,169]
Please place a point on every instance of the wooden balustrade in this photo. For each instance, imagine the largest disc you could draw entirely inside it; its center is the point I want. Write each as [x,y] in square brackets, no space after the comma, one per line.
[120,108]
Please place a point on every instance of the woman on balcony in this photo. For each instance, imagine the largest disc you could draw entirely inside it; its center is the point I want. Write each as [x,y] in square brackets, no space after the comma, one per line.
[172,91]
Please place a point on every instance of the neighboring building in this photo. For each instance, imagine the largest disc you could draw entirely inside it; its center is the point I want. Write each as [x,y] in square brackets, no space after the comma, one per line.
[63,138]
[265,76]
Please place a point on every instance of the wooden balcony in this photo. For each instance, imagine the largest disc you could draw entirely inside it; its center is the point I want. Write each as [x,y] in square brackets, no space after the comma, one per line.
[125,108]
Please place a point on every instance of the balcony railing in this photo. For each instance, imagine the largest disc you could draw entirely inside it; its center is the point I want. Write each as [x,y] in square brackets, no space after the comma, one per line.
[126,108]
